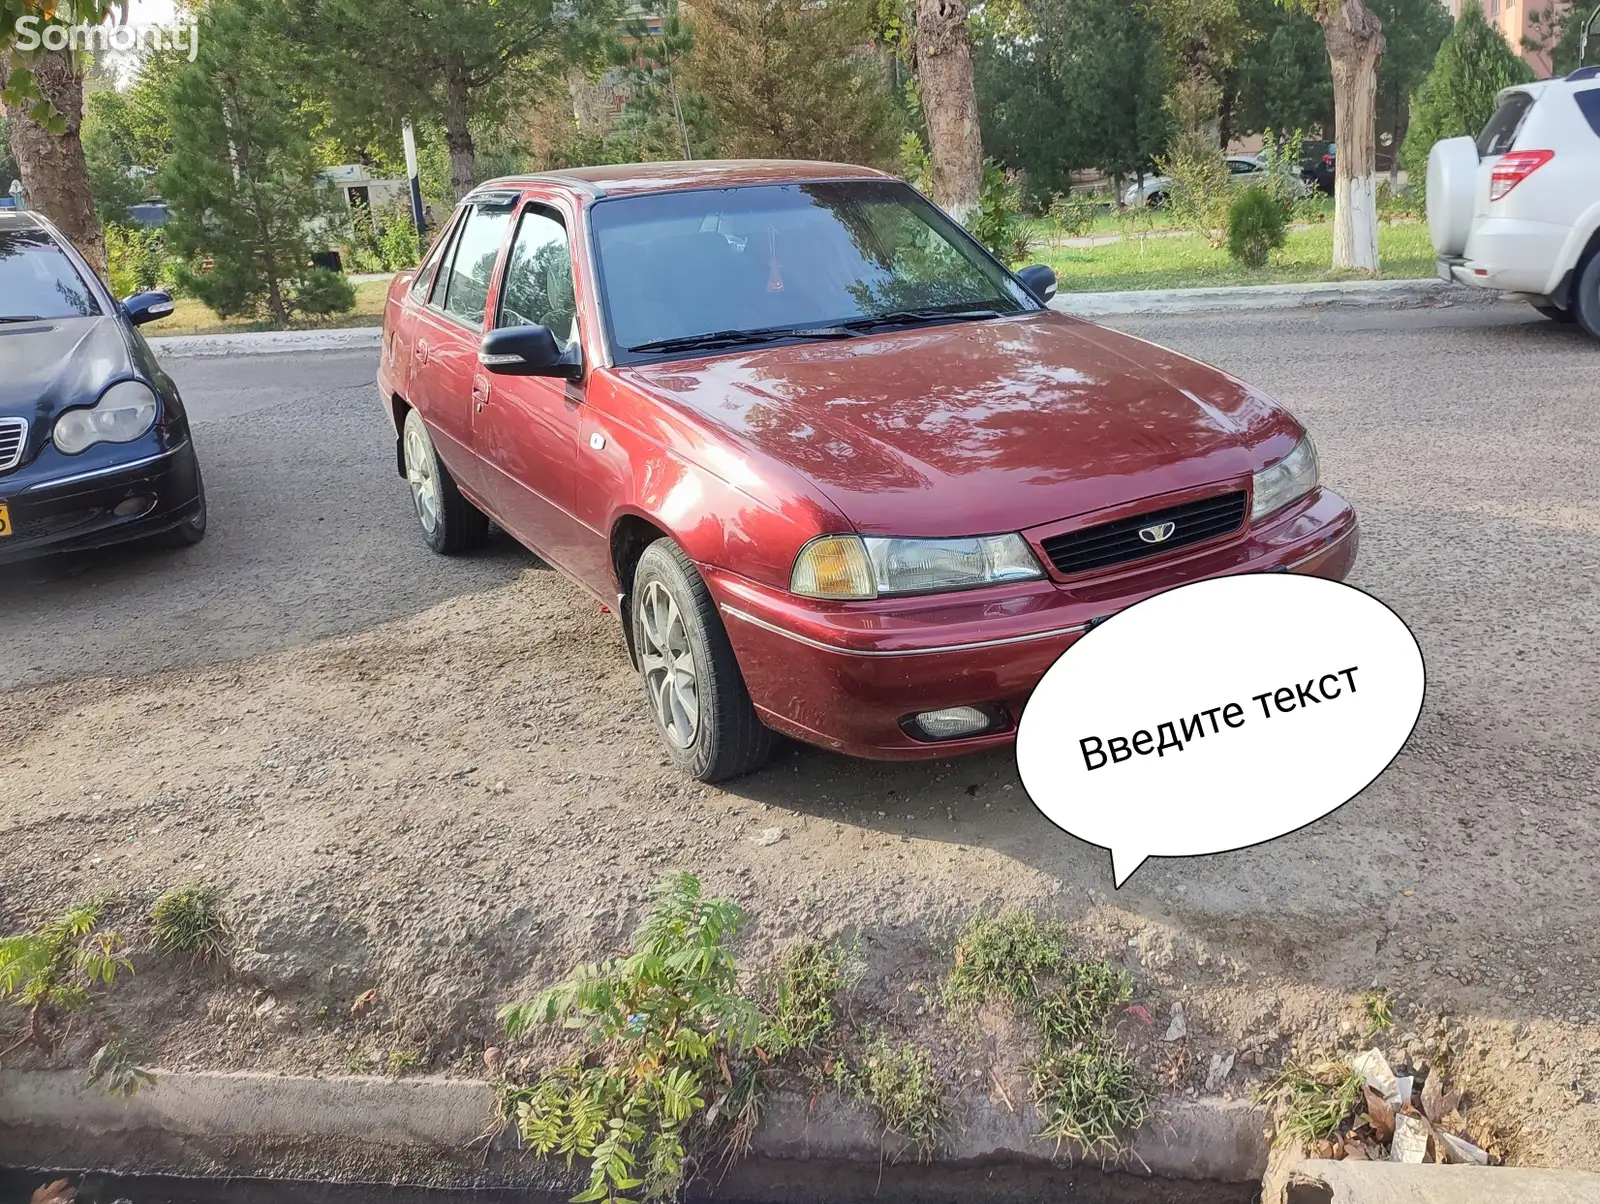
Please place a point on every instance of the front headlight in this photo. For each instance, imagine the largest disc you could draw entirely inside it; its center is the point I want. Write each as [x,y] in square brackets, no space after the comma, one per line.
[848,567]
[123,413]
[1289,480]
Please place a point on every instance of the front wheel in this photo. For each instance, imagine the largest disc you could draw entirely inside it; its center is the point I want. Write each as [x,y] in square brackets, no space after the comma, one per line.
[697,695]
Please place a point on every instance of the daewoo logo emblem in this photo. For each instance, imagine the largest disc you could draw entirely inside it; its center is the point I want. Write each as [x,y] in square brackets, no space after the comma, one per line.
[1159,533]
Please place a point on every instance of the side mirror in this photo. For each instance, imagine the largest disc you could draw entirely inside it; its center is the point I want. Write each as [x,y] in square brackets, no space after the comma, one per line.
[148,307]
[1041,281]
[529,351]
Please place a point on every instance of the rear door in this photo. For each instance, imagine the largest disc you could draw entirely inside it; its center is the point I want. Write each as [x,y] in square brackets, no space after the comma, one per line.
[449,328]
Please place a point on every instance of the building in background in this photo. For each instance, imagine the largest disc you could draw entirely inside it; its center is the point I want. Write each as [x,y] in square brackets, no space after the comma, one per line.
[1512,19]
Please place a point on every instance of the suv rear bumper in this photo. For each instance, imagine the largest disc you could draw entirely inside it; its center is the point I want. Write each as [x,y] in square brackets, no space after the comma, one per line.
[1511,254]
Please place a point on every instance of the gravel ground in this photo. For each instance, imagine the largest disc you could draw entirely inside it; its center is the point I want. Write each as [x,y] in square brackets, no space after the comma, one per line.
[433,779]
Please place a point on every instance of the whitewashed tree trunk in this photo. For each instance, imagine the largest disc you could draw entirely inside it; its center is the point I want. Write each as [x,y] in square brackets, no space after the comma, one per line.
[1354,39]
[950,105]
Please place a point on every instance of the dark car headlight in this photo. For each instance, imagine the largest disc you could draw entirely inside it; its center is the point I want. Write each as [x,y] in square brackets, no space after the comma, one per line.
[124,412]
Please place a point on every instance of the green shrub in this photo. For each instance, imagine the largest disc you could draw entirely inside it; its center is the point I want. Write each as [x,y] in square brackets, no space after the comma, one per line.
[322,292]
[670,1045]
[136,260]
[1257,226]
[189,920]
[1201,189]
[998,223]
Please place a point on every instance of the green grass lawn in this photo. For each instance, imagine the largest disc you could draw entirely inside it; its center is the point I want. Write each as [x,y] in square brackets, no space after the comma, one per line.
[1404,252]
[191,317]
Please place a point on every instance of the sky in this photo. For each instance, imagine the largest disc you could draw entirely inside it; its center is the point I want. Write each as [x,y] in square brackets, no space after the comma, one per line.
[150,12]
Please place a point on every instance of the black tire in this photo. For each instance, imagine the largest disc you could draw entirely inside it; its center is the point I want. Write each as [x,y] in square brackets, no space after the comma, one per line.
[1586,296]
[192,530]
[457,526]
[728,739]
[1158,200]
[1556,314]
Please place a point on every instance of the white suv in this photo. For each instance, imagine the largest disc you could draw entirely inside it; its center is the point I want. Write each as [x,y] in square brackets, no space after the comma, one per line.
[1518,209]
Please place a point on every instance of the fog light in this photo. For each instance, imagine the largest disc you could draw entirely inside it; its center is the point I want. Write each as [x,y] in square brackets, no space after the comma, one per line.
[954,722]
[132,507]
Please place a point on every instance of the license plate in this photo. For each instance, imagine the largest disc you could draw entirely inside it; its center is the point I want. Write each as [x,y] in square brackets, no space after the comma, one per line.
[5,520]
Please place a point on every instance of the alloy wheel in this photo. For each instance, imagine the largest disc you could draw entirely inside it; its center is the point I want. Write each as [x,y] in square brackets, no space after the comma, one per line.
[424,486]
[667,659]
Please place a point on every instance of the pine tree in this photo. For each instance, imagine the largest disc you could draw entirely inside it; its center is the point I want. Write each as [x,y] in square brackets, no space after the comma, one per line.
[792,79]
[243,180]
[1458,97]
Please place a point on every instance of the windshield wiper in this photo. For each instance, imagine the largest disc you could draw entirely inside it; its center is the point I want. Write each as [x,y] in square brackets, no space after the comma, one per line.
[20,318]
[733,338]
[910,317]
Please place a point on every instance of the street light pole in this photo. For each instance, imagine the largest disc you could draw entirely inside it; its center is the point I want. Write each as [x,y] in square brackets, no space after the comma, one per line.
[414,173]
[1583,35]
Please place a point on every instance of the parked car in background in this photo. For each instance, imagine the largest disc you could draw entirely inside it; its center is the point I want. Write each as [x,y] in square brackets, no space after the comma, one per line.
[1518,208]
[1319,159]
[94,442]
[1243,171]
[839,472]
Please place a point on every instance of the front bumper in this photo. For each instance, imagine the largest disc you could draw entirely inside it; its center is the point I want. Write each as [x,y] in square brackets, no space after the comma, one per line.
[60,506]
[845,676]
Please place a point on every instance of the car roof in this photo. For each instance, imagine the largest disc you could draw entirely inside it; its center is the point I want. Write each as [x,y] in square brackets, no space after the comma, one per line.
[629,178]
[11,219]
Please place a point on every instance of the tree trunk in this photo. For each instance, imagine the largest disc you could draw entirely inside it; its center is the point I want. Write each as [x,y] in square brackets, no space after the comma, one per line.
[458,132]
[950,105]
[53,169]
[1355,44]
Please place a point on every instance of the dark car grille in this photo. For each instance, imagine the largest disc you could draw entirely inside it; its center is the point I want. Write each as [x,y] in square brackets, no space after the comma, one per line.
[1110,544]
[13,438]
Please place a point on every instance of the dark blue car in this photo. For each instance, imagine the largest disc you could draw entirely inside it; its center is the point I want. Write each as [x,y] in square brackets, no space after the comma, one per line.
[94,442]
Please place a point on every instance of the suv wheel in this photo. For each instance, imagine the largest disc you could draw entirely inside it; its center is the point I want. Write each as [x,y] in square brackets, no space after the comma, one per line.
[450,523]
[696,693]
[1586,296]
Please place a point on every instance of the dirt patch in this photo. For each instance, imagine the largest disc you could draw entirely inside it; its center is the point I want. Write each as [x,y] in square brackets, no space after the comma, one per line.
[420,823]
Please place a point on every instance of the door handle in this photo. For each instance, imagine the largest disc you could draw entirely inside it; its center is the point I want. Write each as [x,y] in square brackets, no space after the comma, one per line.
[480,393]
[422,352]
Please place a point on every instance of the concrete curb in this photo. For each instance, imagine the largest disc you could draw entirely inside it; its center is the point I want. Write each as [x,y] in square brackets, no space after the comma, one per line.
[267,342]
[1218,1141]
[1353,293]
[1319,1182]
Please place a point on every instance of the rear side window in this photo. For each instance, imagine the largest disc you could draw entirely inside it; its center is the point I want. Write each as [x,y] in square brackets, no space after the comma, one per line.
[472,269]
[1589,101]
[1501,132]
[430,268]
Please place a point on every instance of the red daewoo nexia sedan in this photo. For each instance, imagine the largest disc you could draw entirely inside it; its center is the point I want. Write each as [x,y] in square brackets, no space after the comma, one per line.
[842,475]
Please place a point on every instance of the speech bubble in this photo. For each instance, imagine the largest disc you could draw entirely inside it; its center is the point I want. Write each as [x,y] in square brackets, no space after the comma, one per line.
[1220,715]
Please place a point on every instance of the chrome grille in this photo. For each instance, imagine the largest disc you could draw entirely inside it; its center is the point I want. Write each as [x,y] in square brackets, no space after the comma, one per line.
[13,439]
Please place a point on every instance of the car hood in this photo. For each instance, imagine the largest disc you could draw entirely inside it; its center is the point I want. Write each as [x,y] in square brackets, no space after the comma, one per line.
[980,427]
[48,366]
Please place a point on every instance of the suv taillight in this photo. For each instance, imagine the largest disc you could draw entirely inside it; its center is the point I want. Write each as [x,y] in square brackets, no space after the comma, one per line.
[1514,168]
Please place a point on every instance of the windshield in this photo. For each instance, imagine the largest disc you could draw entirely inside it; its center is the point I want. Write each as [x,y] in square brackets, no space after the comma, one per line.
[675,265]
[38,281]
